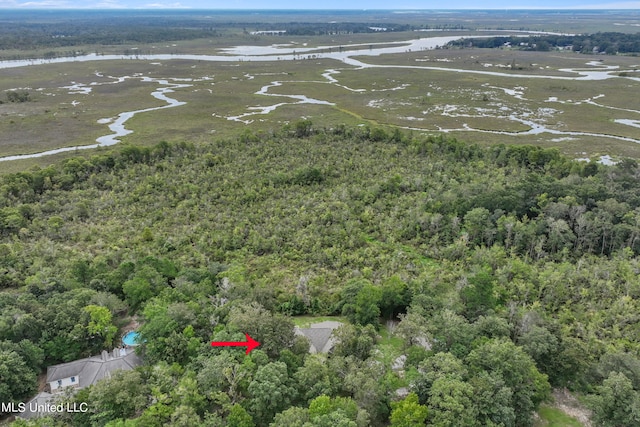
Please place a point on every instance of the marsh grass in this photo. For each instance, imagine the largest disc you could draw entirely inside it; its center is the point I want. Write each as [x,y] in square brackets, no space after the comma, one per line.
[409,98]
[554,417]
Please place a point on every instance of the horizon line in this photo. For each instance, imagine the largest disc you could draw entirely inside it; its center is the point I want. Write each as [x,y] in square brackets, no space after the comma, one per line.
[164,7]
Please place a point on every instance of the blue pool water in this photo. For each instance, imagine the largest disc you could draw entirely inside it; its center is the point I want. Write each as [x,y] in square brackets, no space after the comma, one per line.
[130,338]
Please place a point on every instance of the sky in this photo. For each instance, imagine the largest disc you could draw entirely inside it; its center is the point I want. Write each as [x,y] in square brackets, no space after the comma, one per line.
[326,4]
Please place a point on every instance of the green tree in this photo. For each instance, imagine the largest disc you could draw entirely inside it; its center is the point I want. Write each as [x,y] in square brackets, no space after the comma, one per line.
[477,223]
[50,421]
[100,324]
[32,355]
[412,328]
[616,403]
[492,400]
[539,343]
[222,373]
[239,417]
[325,411]
[451,333]
[136,292]
[315,378]
[510,363]
[121,396]
[624,363]
[324,405]
[291,417]
[177,347]
[357,341]
[367,306]
[271,392]
[16,379]
[408,412]
[450,403]
[334,419]
[395,297]
[478,296]
[187,392]
[274,332]
[184,416]
[303,128]
[363,382]
[492,327]
[363,307]
[437,366]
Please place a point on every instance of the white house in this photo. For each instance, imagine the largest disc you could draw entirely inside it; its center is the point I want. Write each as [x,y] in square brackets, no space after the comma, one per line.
[80,374]
[84,372]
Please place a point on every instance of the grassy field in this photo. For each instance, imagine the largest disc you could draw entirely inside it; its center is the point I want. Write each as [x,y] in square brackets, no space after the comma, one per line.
[307,321]
[554,417]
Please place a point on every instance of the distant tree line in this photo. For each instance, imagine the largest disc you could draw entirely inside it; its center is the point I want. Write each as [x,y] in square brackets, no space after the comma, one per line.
[608,42]
[28,37]
[315,29]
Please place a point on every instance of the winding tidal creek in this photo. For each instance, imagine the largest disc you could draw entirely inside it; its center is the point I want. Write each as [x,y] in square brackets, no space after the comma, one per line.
[345,54]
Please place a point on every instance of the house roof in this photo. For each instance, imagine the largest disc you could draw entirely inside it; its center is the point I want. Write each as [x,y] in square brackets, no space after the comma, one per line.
[320,335]
[39,400]
[93,368]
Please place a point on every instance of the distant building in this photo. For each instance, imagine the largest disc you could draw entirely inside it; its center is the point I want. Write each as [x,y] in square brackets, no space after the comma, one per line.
[80,374]
[320,336]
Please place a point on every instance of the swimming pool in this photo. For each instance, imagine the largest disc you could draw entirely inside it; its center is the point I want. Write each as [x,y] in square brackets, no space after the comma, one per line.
[130,339]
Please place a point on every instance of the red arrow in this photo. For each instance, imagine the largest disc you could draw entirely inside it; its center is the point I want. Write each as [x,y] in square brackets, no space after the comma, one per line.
[250,343]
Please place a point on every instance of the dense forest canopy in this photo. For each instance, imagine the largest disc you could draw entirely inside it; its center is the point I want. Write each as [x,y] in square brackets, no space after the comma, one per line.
[511,270]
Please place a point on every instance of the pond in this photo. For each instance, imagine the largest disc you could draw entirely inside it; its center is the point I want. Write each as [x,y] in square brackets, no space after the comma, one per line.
[130,339]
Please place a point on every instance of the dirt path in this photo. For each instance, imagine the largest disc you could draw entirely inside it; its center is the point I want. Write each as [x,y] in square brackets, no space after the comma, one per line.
[568,404]
[42,381]
[132,325]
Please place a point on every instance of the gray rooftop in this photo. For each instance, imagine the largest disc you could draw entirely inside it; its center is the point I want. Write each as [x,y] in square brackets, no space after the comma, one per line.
[93,368]
[319,335]
[31,409]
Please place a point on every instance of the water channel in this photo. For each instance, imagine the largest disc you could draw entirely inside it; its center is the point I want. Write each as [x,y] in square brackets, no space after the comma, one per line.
[345,53]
